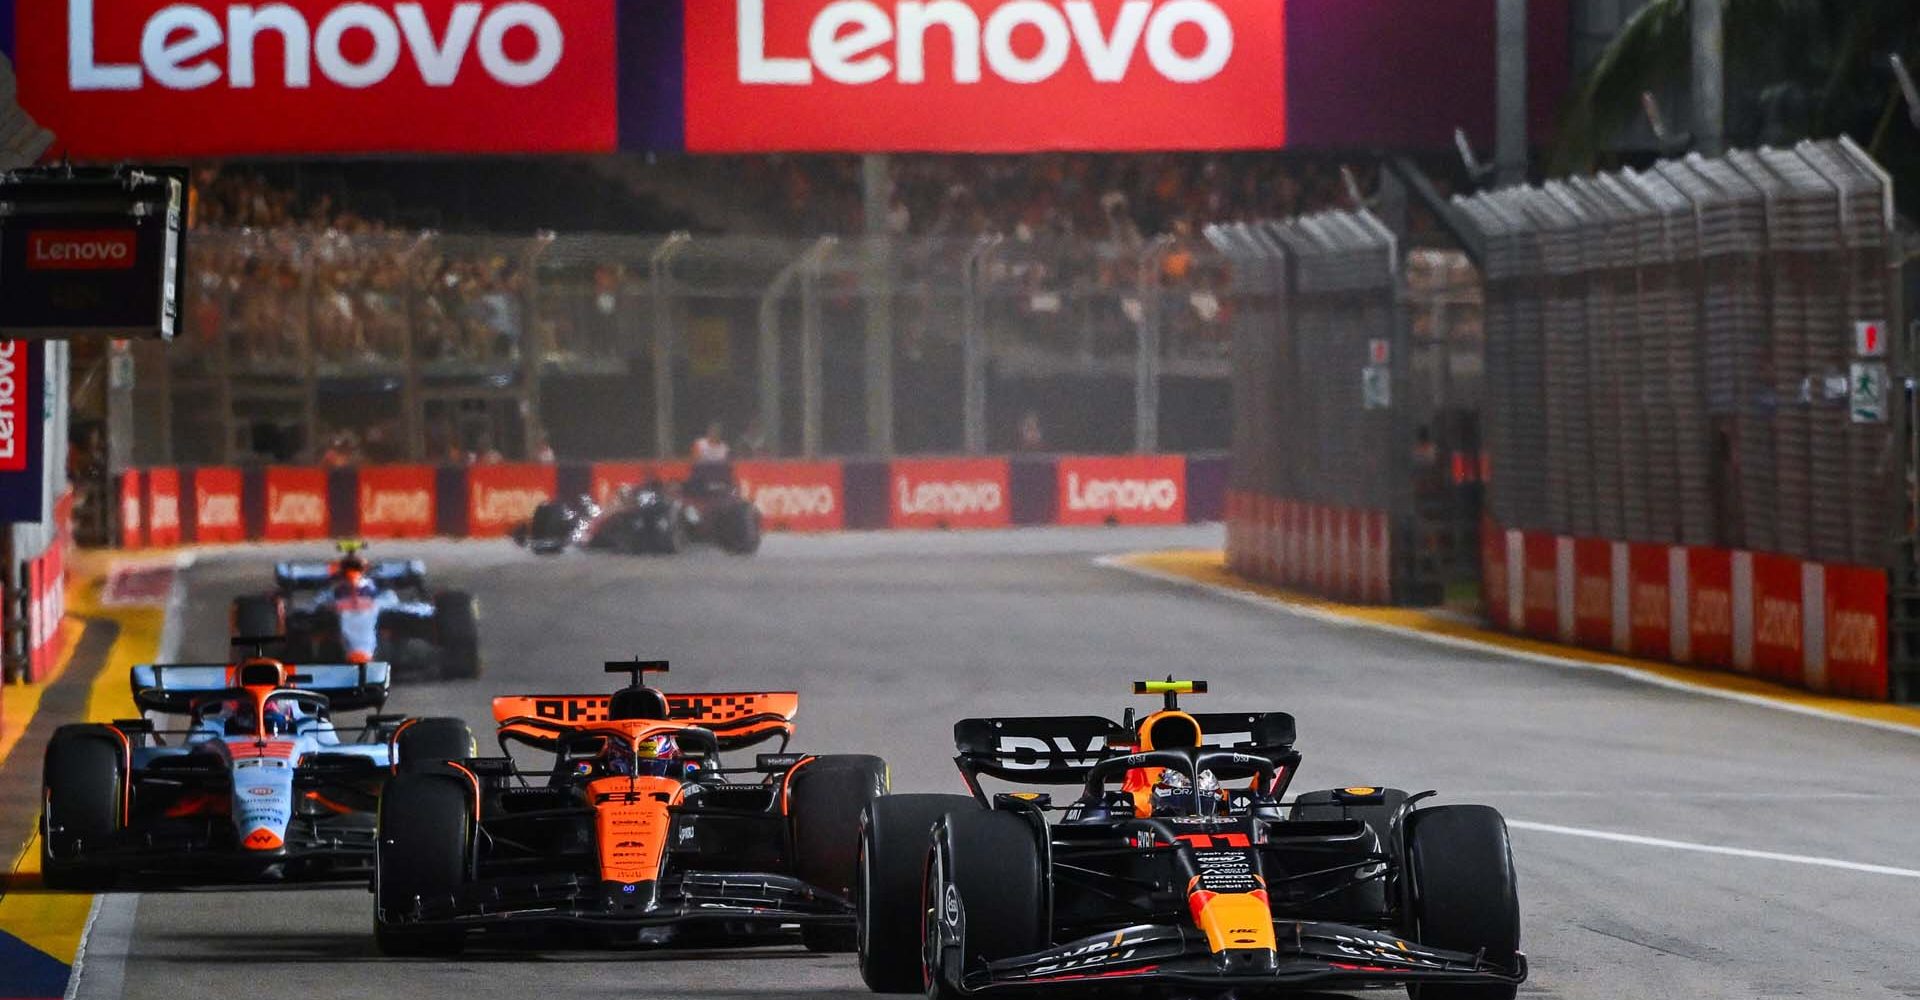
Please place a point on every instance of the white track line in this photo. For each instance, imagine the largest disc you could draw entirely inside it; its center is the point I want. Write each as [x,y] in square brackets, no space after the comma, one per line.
[1732,852]
[1471,645]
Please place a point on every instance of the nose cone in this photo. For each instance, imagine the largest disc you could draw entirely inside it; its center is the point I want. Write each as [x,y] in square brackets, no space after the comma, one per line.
[263,839]
[359,657]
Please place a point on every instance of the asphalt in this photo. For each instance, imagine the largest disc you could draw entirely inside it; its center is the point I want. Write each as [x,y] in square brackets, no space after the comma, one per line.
[892,637]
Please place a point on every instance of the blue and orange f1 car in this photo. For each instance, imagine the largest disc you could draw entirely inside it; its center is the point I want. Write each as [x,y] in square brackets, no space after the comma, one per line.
[1176,868]
[258,782]
[630,828]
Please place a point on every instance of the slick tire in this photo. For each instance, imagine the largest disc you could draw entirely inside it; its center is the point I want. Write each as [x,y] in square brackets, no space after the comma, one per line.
[457,619]
[738,529]
[83,790]
[257,616]
[423,849]
[991,860]
[828,796]
[428,743]
[894,833]
[1464,896]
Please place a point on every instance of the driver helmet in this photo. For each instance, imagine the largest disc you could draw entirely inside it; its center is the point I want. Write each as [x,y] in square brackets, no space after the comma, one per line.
[278,720]
[656,756]
[1173,793]
[353,568]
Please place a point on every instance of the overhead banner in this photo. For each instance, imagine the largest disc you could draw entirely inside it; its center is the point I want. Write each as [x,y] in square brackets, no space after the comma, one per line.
[984,75]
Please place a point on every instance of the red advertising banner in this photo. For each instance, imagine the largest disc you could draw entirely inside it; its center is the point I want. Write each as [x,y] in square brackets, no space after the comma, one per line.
[1857,631]
[163,507]
[1779,630]
[116,79]
[397,501]
[1649,601]
[1593,593]
[133,522]
[216,506]
[501,496]
[984,76]
[1710,607]
[296,504]
[795,496]
[949,493]
[1540,587]
[1136,489]
[609,477]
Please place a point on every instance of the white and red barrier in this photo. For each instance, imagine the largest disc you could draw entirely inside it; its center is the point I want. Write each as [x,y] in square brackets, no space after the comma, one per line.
[1342,553]
[46,584]
[1813,625]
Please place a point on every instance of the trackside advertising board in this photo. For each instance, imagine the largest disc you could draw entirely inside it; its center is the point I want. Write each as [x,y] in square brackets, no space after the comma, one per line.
[23,386]
[949,493]
[1135,489]
[120,79]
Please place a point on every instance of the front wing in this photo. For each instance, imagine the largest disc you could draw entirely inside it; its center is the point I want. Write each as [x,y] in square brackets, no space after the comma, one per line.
[1311,954]
[571,899]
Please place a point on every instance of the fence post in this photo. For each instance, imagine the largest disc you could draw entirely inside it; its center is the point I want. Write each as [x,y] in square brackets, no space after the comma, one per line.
[1146,365]
[973,349]
[812,393]
[660,266]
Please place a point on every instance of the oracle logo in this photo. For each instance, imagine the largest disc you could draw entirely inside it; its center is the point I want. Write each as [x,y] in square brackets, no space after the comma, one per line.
[792,501]
[219,510]
[395,506]
[296,508]
[104,250]
[1121,494]
[13,409]
[859,42]
[178,45]
[506,505]
[949,499]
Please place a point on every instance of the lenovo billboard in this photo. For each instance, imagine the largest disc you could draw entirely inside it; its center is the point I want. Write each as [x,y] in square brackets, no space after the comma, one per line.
[984,75]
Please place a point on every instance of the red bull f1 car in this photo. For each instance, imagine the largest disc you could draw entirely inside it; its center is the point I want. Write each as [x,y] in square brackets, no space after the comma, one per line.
[1175,868]
[259,781]
[357,610]
[632,828]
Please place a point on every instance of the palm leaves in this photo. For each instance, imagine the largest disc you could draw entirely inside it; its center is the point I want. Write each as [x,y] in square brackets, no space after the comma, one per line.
[1795,69]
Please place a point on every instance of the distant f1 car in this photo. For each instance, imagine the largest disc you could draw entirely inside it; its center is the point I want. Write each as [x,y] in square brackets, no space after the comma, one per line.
[259,783]
[356,610]
[636,832]
[1177,869]
[651,518]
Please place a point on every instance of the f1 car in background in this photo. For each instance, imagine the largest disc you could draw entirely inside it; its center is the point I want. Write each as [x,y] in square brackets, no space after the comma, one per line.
[260,783]
[1176,867]
[636,830]
[652,518]
[356,610]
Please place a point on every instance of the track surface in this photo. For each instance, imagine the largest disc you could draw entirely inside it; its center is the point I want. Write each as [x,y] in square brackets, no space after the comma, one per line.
[892,637]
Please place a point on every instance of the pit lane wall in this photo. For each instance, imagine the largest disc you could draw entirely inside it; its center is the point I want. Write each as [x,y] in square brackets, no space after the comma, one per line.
[165,507]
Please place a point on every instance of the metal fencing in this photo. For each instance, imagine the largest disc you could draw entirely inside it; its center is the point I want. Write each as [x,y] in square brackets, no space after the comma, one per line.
[1697,354]
[814,338]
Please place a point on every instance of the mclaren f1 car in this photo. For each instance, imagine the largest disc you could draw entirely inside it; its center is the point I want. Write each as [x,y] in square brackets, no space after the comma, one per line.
[1175,868]
[631,828]
[259,781]
[652,518]
[356,609]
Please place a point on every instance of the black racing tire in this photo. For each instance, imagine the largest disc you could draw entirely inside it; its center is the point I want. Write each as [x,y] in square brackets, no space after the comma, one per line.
[423,848]
[258,616]
[992,860]
[828,796]
[1464,894]
[894,833]
[428,743]
[83,786]
[456,617]
[738,529]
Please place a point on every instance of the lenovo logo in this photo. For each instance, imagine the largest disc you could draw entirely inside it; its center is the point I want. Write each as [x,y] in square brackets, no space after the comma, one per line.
[401,507]
[354,45]
[948,499]
[1121,494]
[102,250]
[296,508]
[506,505]
[858,42]
[792,501]
[13,407]
[218,510]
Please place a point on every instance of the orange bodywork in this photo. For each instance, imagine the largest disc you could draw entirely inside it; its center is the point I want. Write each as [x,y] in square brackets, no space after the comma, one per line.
[633,818]
[1233,921]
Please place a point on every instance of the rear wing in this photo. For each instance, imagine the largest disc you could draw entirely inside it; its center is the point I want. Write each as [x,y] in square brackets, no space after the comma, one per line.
[311,575]
[173,688]
[1062,750]
[736,719]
